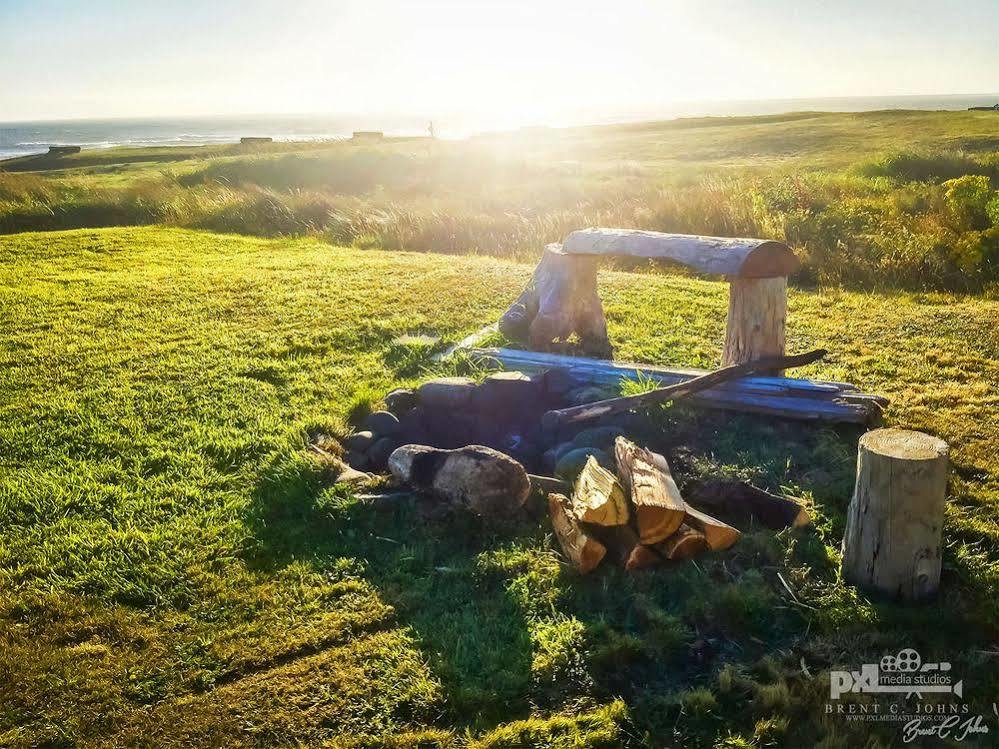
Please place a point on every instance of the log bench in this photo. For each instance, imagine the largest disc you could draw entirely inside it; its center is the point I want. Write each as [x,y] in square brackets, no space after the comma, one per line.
[757,271]
[561,302]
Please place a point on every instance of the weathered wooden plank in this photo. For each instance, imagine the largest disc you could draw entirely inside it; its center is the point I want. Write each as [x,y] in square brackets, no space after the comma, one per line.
[744,258]
[609,406]
[587,370]
[786,397]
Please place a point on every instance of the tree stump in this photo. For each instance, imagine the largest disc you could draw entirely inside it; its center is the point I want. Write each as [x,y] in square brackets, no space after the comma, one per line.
[757,312]
[561,300]
[895,520]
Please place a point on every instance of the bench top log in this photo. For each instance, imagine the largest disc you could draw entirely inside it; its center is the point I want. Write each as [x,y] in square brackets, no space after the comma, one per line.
[743,258]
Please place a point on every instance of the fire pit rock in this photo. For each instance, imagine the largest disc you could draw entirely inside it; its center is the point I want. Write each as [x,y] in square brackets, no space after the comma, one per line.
[383,423]
[482,479]
[503,412]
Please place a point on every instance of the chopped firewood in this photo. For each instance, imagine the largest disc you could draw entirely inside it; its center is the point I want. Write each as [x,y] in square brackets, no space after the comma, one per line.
[659,509]
[719,535]
[619,540]
[583,551]
[739,499]
[598,497]
[641,557]
[684,544]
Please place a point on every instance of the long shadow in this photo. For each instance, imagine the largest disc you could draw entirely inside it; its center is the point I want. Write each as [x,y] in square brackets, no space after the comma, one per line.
[644,635]
[640,632]
[421,562]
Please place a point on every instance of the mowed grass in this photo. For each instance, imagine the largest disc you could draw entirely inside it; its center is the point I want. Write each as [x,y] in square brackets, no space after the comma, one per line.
[176,571]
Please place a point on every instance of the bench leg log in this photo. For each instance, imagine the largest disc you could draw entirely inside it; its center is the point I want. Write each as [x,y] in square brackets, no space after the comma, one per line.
[561,300]
[757,313]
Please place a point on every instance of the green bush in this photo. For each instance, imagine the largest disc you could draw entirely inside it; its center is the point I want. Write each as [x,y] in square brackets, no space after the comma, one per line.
[911,166]
[992,209]
[967,200]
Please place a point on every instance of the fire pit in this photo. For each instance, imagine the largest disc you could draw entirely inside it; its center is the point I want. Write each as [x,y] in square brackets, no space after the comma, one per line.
[552,418]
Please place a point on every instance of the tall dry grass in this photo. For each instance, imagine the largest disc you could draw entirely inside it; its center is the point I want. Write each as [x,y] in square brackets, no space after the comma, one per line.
[915,220]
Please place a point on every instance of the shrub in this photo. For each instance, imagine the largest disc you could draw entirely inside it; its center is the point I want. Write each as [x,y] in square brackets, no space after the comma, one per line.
[912,166]
[886,223]
[967,199]
[992,210]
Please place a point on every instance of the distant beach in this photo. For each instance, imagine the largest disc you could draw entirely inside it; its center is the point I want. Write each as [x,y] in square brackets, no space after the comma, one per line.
[24,138]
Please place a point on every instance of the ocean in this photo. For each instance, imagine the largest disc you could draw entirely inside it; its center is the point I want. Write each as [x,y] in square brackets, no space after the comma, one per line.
[23,138]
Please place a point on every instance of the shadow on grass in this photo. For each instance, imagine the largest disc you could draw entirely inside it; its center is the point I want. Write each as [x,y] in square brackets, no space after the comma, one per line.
[427,567]
[506,628]
[510,631]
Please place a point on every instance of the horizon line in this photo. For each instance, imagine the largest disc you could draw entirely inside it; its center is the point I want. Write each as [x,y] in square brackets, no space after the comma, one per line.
[423,115]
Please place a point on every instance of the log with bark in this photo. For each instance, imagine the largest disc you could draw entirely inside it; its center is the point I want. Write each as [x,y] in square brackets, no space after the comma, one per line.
[560,301]
[723,256]
[735,499]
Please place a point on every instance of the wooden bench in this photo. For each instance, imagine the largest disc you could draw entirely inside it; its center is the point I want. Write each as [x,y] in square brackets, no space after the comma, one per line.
[562,298]
[757,270]
[561,301]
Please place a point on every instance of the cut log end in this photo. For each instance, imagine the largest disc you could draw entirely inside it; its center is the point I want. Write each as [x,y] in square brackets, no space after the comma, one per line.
[598,497]
[686,543]
[718,535]
[642,557]
[903,444]
[582,550]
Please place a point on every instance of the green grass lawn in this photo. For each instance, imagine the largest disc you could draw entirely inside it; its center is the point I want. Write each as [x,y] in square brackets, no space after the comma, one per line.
[176,571]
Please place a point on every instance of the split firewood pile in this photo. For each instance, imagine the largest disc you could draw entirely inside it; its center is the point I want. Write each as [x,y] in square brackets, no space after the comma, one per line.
[634,516]
[637,518]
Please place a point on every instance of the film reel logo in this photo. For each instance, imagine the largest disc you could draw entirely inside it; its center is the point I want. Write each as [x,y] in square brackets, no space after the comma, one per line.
[908,660]
[901,673]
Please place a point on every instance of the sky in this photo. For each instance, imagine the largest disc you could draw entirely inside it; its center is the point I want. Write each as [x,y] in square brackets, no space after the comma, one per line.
[511,62]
